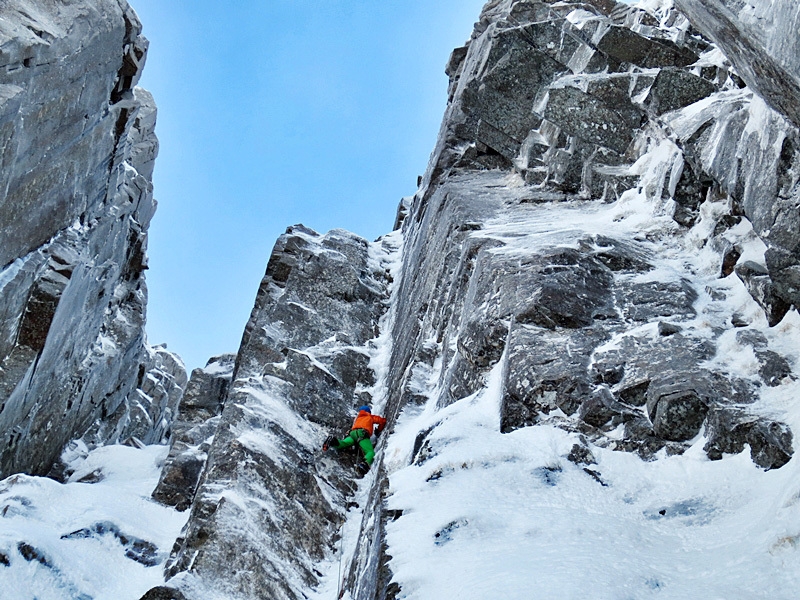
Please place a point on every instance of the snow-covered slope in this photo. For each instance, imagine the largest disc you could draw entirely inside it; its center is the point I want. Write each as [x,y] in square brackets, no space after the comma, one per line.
[486,514]
[99,536]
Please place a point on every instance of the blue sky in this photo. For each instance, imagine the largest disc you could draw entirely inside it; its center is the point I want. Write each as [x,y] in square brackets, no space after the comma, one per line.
[275,112]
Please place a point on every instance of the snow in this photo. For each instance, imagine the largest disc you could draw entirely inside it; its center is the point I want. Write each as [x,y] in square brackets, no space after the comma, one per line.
[303,307]
[265,401]
[42,513]
[486,514]
[506,515]
[652,6]
[385,254]
[313,361]
[581,17]
[218,369]
[335,567]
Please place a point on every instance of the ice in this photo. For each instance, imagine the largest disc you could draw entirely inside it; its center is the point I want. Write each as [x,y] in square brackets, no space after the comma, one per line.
[686,122]
[385,254]
[10,272]
[580,18]
[218,368]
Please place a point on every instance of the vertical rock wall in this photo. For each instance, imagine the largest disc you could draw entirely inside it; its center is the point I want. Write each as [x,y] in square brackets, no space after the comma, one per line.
[760,39]
[77,148]
[763,149]
[565,101]
[595,103]
[193,432]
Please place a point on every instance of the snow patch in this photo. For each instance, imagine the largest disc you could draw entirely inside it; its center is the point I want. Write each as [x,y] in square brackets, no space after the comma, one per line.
[491,514]
[106,540]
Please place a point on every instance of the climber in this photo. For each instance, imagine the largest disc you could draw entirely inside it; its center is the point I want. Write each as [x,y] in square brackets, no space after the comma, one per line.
[360,433]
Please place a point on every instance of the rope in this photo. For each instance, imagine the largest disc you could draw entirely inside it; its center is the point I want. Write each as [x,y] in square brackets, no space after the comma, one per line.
[339,583]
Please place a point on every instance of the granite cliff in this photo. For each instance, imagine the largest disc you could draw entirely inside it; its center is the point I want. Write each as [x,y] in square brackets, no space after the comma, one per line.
[78,150]
[582,329]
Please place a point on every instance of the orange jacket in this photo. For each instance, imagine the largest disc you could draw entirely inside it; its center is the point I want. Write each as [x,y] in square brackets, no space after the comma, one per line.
[367,421]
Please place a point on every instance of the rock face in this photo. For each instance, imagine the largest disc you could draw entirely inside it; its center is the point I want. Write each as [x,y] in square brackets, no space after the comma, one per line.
[269,505]
[592,328]
[571,98]
[760,40]
[193,432]
[76,157]
[759,37]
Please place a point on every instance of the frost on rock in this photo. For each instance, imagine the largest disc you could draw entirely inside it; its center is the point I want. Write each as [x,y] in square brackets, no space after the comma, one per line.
[597,276]
[78,146]
[760,38]
[270,505]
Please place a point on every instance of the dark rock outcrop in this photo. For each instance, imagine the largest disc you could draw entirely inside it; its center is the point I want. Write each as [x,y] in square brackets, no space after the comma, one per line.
[136,549]
[729,430]
[676,88]
[163,593]
[193,431]
[676,409]
[545,371]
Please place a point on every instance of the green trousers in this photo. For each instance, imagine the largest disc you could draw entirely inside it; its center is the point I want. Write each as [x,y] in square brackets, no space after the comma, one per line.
[360,436]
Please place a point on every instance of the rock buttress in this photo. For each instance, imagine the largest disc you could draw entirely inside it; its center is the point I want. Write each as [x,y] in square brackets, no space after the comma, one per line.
[520,253]
[585,232]
[269,504]
[77,147]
